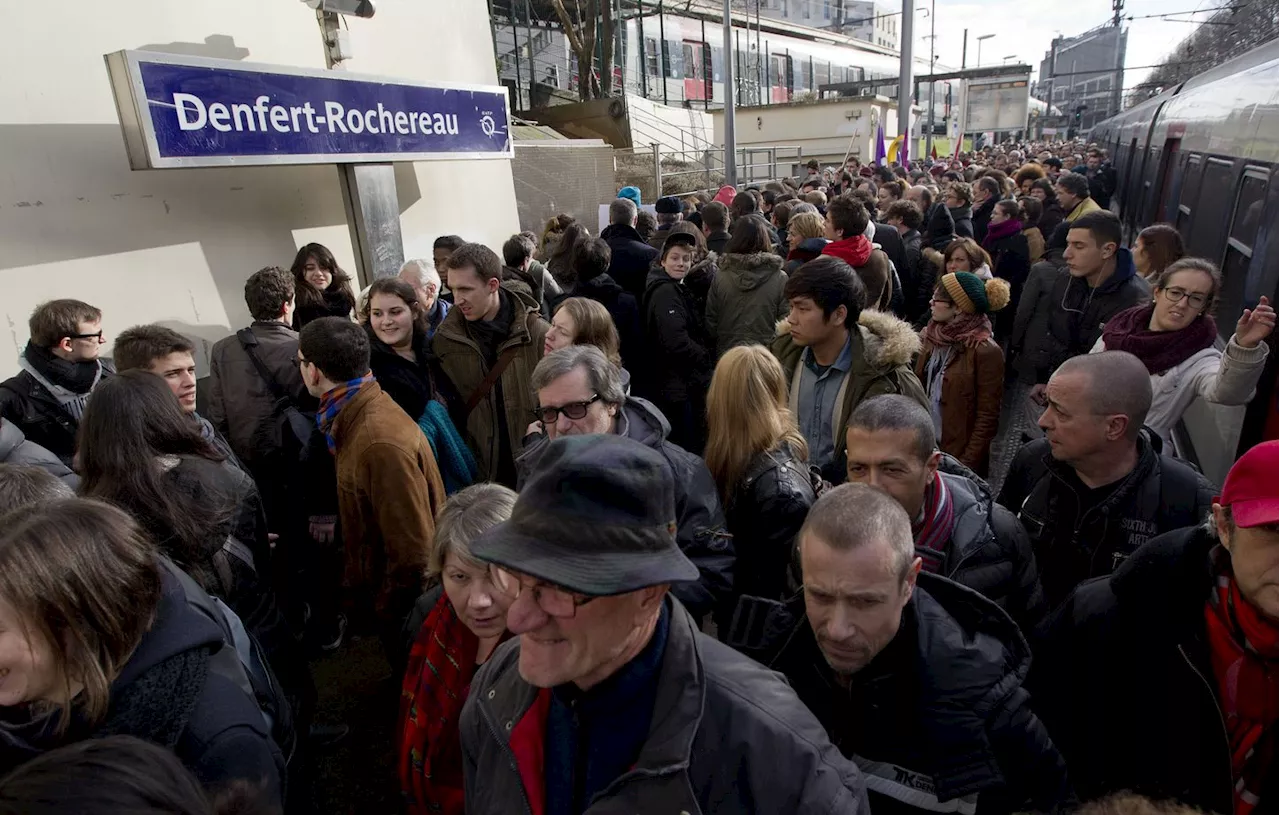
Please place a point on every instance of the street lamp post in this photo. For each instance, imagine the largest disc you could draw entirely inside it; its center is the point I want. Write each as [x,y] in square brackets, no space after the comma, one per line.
[982,37]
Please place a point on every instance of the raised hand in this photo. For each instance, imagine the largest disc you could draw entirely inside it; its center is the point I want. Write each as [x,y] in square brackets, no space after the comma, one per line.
[1256,324]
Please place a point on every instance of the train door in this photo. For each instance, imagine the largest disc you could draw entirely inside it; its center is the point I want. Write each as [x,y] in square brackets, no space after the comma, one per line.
[1126,195]
[696,58]
[781,66]
[1261,419]
[1164,180]
[1208,231]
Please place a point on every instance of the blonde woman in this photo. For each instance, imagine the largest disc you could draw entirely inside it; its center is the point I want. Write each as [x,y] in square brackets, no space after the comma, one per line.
[804,239]
[759,461]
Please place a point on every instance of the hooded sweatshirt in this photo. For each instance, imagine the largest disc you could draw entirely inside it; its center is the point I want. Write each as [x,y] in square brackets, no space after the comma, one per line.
[746,300]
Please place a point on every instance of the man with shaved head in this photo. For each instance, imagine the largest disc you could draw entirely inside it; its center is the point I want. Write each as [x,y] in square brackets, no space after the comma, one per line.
[1095,489]
[939,229]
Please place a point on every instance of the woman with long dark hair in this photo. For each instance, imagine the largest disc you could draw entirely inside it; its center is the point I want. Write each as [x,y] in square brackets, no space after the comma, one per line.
[1155,249]
[321,288]
[1174,337]
[101,636]
[563,254]
[402,363]
[758,457]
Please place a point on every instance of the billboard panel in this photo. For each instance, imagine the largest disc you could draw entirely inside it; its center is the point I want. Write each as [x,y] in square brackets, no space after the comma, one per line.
[995,105]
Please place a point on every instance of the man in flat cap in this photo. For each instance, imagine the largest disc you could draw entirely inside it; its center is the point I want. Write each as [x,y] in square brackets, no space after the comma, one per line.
[609,698]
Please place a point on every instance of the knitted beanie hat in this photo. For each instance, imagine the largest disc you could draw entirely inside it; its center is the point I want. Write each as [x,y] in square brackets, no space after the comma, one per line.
[973,295]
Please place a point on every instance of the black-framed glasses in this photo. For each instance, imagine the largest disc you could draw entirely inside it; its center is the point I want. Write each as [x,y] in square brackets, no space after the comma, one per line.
[574,410]
[1195,299]
[97,335]
[552,599]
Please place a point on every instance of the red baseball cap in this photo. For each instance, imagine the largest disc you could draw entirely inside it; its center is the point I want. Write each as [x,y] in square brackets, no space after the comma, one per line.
[1252,488]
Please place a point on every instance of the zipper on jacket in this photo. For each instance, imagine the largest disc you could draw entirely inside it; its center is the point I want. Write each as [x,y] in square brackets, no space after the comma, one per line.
[1226,737]
[511,756]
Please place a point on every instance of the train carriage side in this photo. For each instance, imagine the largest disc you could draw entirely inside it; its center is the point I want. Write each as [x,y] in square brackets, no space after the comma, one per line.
[1209,167]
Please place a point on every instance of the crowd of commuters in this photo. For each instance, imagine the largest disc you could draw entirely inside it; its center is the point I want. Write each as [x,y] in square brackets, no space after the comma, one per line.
[695,516]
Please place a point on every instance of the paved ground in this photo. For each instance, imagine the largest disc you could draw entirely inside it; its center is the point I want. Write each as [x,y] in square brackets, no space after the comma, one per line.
[1013,423]
[358,775]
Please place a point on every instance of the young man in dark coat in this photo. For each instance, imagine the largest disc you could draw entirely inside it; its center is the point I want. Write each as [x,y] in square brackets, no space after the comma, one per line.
[715,226]
[608,698]
[1161,678]
[958,199]
[986,192]
[1094,490]
[60,368]
[917,679]
[630,256]
[960,532]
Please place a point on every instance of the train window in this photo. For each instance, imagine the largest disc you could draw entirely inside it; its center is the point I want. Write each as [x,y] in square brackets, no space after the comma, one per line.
[675,61]
[1249,205]
[651,56]
[1214,205]
[1190,181]
[717,63]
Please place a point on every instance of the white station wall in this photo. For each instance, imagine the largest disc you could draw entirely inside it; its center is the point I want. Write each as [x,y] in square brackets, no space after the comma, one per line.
[175,246]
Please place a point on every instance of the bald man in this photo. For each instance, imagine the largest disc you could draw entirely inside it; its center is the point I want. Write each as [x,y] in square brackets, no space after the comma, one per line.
[1095,489]
[939,229]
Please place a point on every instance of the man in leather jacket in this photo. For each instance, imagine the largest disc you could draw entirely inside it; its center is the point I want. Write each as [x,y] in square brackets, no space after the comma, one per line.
[959,531]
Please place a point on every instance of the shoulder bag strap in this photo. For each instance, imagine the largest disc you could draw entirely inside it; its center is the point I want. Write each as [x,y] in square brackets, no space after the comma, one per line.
[248,342]
[486,385]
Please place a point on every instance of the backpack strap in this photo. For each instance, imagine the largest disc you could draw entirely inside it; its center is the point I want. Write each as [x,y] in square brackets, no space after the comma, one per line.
[504,359]
[249,341]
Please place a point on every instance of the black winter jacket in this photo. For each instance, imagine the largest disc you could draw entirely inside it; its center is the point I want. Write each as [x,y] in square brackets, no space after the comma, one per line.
[333,303]
[915,300]
[411,384]
[940,714]
[1074,542]
[982,219]
[990,551]
[962,221]
[699,517]
[939,228]
[765,511]
[726,737]
[29,405]
[891,243]
[176,690]
[623,307]
[682,356]
[1045,334]
[630,257]
[1125,685]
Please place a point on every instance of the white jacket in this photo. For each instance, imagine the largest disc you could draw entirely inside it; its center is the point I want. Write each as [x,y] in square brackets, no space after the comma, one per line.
[1221,378]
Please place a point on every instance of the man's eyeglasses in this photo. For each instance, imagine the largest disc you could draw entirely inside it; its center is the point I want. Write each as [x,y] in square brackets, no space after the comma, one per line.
[574,410]
[553,600]
[97,335]
[1196,300]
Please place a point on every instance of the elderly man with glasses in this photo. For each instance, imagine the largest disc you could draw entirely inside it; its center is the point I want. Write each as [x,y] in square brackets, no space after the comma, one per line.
[610,697]
[579,392]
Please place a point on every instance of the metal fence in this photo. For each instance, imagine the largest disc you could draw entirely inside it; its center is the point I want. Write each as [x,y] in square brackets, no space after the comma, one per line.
[657,171]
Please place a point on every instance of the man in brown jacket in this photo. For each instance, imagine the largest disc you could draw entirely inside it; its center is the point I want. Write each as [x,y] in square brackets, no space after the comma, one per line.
[389,487]
[488,346]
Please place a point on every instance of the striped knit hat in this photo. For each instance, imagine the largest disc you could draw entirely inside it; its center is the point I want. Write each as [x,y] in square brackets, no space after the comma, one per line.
[973,295]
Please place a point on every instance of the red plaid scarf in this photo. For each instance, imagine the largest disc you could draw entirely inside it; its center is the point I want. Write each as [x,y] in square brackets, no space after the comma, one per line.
[334,401]
[1243,649]
[442,663]
[933,531]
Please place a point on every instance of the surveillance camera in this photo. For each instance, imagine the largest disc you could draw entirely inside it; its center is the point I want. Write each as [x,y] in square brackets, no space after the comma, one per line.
[355,8]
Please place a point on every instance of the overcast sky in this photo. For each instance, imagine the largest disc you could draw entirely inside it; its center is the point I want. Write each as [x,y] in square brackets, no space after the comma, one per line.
[1024,29]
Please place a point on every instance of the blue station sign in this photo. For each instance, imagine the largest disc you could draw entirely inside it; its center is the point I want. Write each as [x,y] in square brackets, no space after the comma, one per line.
[181,111]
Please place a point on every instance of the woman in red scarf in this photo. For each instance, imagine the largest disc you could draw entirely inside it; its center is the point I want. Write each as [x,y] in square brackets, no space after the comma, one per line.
[961,367]
[466,619]
[1174,337]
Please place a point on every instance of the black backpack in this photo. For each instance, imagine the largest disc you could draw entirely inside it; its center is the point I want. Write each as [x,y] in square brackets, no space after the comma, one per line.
[293,431]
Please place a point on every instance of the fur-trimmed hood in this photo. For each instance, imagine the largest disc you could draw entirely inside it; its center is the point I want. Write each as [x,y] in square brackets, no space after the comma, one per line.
[751,271]
[887,341]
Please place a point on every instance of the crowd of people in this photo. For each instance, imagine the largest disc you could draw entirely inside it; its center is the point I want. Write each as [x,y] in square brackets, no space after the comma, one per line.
[699,515]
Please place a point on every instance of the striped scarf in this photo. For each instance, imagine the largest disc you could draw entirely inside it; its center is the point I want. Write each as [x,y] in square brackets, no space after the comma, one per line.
[333,402]
[1243,647]
[933,531]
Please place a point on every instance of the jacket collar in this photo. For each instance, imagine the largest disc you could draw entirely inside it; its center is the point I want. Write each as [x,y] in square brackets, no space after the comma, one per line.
[349,416]
[622,231]
[677,711]
[1147,460]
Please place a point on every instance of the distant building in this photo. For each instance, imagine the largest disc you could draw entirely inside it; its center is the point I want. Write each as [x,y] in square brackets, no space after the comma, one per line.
[1085,70]
[860,19]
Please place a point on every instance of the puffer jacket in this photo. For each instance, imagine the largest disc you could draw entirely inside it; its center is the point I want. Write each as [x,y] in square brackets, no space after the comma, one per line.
[463,361]
[765,511]
[972,390]
[1073,541]
[16,450]
[700,524]
[990,551]
[1124,681]
[1045,334]
[939,717]
[746,300]
[883,347]
[682,358]
[727,737]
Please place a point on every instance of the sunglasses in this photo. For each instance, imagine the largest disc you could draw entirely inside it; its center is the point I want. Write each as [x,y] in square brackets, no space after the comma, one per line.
[574,410]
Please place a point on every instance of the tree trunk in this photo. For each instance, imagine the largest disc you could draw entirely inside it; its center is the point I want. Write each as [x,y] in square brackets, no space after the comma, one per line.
[581,28]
